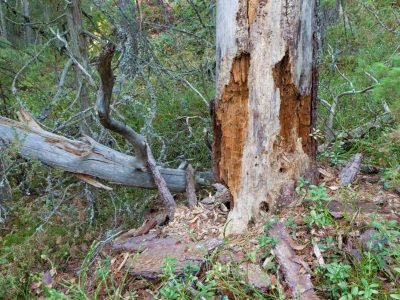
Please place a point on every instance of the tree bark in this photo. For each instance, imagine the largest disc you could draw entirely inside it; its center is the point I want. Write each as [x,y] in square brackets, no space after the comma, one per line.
[79,49]
[28,27]
[86,157]
[3,26]
[266,99]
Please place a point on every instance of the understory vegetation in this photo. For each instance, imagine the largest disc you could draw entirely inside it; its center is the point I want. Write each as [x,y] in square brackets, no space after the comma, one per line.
[55,229]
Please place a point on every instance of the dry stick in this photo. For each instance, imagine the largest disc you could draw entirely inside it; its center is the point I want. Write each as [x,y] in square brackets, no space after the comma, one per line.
[190,187]
[45,113]
[165,194]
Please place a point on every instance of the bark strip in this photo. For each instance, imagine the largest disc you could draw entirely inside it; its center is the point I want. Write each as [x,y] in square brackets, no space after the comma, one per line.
[190,187]
[300,284]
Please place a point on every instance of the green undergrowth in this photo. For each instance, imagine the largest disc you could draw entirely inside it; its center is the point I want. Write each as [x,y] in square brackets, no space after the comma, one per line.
[370,269]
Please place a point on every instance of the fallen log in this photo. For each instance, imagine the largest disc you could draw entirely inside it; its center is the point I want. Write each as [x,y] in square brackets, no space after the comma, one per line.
[86,156]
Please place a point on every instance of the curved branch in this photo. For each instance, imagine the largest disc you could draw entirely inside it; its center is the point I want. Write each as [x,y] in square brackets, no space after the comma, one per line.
[103,102]
[138,142]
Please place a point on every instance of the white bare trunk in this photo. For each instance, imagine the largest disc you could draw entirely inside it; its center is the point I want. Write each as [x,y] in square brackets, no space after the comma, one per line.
[265,103]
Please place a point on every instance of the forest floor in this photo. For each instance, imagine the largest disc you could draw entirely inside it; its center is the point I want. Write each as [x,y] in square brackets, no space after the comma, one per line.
[345,239]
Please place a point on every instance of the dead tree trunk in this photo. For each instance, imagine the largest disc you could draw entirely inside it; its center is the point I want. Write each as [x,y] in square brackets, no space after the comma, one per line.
[86,156]
[266,99]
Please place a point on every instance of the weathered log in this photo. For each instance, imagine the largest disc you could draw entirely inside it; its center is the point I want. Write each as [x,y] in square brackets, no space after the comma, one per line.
[86,157]
[350,171]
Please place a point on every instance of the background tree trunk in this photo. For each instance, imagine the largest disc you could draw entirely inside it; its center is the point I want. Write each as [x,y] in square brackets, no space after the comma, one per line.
[266,99]
[79,49]
[28,27]
[3,26]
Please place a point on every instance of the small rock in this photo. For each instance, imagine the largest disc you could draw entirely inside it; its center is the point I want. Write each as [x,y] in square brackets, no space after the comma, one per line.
[371,239]
[256,276]
[47,279]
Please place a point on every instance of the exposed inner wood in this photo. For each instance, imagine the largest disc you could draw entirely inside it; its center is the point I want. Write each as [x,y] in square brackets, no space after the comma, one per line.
[295,109]
[252,10]
[231,117]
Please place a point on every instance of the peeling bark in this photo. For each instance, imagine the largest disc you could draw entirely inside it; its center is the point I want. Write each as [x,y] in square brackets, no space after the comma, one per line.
[265,104]
[300,284]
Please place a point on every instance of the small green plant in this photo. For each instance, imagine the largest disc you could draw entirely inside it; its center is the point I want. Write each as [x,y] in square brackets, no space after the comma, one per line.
[367,289]
[302,186]
[391,177]
[266,242]
[185,286]
[319,214]
[291,224]
[337,274]
[318,217]
[317,193]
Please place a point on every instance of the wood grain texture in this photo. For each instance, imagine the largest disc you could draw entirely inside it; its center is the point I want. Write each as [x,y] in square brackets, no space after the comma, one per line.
[263,140]
[87,157]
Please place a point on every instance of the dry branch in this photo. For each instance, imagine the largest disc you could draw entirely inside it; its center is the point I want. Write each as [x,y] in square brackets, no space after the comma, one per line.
[163,190]
[190,187]
[103,102]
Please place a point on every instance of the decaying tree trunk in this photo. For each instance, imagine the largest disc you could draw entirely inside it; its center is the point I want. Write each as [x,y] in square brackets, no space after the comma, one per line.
[266,100]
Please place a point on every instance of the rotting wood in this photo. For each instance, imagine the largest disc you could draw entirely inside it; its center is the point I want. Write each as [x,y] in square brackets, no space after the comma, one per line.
[231,125]
[88,157]
[350,171]
[295,109]
[300,284]
[264,110]
[190,187]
